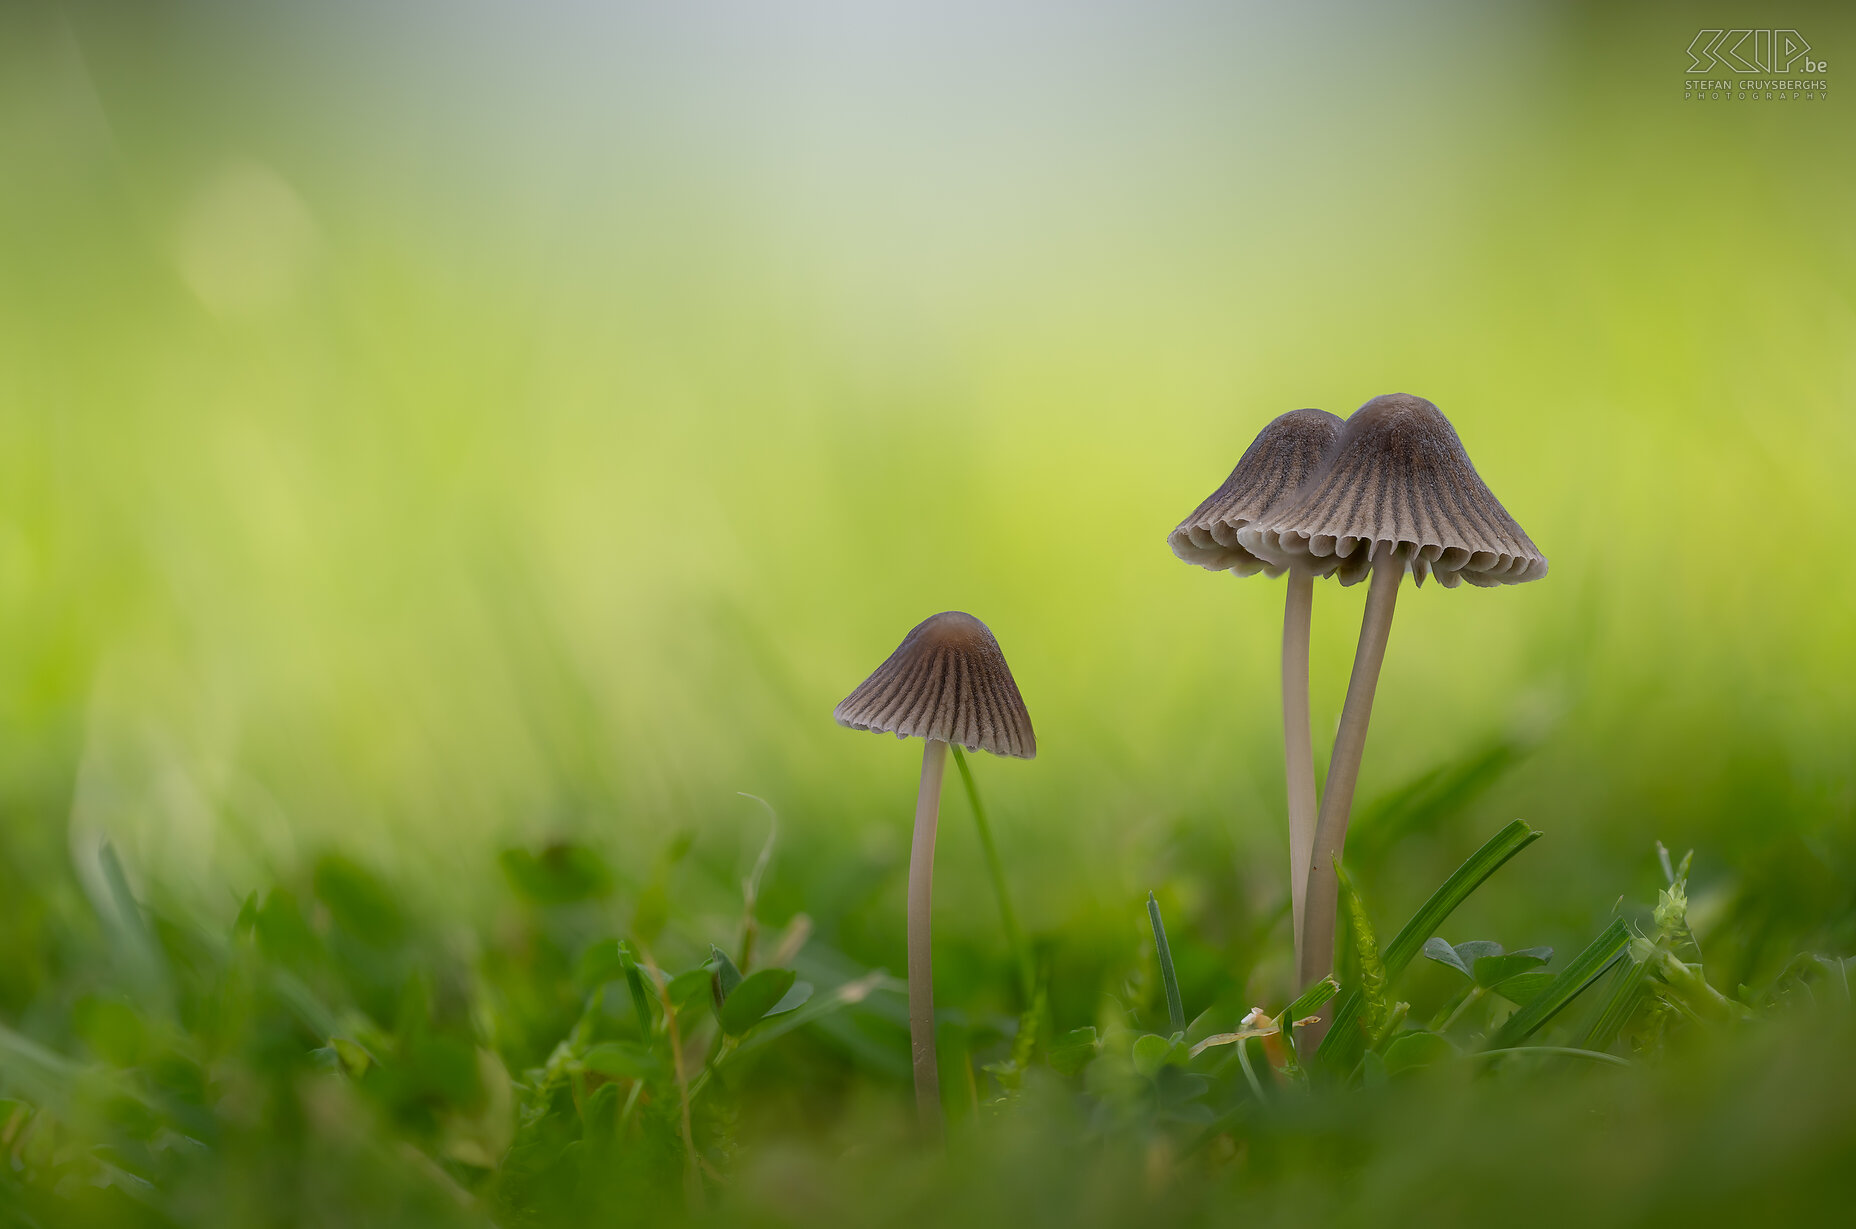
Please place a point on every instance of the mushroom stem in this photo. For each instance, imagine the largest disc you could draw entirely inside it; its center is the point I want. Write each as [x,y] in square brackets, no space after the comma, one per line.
[1297,743]
[921,977]
[1323,892]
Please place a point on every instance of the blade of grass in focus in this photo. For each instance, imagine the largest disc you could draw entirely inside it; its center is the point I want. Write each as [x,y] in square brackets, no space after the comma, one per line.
[1343,1044]
[1312,999]
[1175,1010]
[1628,986]
[1574,978]
[1027,979]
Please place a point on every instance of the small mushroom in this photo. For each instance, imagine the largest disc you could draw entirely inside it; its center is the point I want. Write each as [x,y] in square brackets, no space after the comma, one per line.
[1281,458]
[1398,494]
[946,683]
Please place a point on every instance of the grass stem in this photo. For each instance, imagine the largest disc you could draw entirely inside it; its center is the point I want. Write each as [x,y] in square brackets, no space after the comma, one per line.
[1175,1009]
[1014,938]
[1597,1056]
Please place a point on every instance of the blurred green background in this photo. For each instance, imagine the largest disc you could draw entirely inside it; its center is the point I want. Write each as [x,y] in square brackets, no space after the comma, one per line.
[431,428]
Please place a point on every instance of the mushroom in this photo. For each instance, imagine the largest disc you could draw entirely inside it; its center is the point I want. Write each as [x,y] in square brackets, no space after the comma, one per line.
[1281,458]
[946,683]
[1397,494]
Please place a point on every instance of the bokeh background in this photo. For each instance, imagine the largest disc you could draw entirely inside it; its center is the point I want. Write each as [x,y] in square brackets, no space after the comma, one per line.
[427,429]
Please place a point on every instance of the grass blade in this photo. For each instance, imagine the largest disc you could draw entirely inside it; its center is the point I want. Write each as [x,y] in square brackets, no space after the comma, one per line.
[1340,1050]
[634,982]
[1175,1010]
[1027,979]
[1312,1000]
[1597,1056]
[1628,986]
[1575,977]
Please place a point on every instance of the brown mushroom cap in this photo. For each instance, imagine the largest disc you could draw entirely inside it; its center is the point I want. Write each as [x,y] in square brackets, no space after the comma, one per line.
[947,680]
[1398,484]
[1278,461]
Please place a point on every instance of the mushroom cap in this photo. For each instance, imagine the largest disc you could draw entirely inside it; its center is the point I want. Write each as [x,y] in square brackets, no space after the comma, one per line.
[1398,485]
[1278,461]
[947,680]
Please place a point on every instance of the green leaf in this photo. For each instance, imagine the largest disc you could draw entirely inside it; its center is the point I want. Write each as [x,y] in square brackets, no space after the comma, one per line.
[1522,988]
[1373,1072]
[757,995]
[1175,1010]
[1073,1051]
[1492,971]
[1409,1051]
[1150,1053]
[1461,956]
[1341,1048]
[1483,961]
[634,982]
[1575,977]
[685,986]
[792,1000]
[621,1060]
[723,977]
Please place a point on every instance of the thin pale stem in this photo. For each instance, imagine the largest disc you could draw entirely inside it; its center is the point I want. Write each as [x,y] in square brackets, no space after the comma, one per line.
[921,976]
[1297,743]
[1469,1000]
[1322,895]
[1007,918]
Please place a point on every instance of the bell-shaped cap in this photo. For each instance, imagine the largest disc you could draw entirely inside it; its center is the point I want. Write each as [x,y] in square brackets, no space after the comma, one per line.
[1279,460]
[947,680]
[1398,486]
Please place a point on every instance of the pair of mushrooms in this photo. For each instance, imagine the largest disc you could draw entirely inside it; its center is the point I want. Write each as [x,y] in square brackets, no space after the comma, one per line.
[1387,492]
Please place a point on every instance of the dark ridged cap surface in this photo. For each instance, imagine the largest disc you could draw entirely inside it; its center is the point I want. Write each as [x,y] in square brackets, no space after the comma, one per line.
[947,680]
[1398,485]
[1278,461]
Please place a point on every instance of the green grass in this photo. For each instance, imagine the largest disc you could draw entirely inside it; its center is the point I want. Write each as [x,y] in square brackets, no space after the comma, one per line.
[547,1069]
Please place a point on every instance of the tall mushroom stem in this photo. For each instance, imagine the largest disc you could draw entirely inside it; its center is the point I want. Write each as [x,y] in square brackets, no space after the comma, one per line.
[1322,895]
[1297,744]
[921,977]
